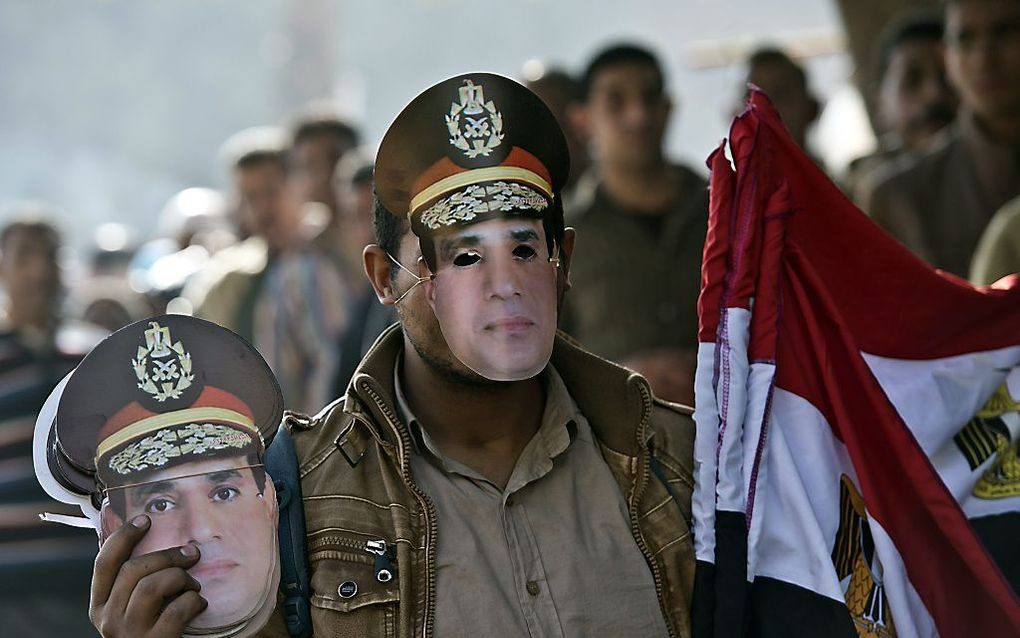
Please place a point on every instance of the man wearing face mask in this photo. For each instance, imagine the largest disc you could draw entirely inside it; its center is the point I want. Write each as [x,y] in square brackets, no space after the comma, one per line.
[484,476]
[516,436]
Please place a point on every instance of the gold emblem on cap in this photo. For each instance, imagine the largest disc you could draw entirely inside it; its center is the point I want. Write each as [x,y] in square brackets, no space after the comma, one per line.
[480,199]
[482,127]
[194,439]
[163,368]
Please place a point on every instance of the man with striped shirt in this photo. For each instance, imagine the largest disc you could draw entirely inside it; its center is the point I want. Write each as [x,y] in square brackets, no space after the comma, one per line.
[46,568]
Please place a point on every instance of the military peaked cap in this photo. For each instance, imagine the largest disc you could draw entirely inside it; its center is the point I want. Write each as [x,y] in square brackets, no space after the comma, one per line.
[156,394]
[469,148]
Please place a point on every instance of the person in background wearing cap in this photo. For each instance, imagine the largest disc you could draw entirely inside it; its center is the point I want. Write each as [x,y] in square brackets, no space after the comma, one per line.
[643,221]
[483,475]
[275,289]
[44,591]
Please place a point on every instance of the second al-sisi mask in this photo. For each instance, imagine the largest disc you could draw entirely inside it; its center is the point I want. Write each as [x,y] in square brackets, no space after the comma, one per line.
[169,418]
[220,501]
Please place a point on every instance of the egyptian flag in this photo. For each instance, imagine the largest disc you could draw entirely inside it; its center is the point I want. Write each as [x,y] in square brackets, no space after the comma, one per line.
[858,415]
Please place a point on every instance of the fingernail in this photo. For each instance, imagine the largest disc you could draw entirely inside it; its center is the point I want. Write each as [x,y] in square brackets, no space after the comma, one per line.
[140,521]
[189,550]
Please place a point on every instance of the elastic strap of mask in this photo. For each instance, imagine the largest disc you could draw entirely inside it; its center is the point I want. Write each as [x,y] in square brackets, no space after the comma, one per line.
[555,259]
[107,490]
[420,280]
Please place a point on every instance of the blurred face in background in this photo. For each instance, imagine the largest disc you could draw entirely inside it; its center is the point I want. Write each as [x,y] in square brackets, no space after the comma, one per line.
[626,115]
[313,160]
[915,99]
[559,92]
[355,199]
[267,208]
[785,86]
[983,55]
[30,275]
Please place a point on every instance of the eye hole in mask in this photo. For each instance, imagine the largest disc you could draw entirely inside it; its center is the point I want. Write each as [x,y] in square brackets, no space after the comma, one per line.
[467,259]
[521,253]
[525,252]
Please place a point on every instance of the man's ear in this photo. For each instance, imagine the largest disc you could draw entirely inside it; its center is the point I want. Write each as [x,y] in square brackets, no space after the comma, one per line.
[566,251]
[378,267]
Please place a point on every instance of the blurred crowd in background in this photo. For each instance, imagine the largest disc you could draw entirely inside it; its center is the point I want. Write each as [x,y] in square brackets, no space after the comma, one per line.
[276,256]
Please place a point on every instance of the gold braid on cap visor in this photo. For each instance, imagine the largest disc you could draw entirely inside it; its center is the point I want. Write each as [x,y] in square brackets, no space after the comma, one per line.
[166,441]
[467,195]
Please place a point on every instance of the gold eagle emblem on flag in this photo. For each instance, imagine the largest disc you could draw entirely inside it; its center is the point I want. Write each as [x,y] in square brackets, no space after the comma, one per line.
[987,435]
[853,555]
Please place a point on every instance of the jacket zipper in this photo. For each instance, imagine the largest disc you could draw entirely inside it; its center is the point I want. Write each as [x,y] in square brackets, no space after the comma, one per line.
[383,566]
[378,548]
[639,488]
[337,540]
[432,528]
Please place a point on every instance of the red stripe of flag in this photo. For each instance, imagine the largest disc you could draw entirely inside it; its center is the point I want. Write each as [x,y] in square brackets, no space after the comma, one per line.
[845,287]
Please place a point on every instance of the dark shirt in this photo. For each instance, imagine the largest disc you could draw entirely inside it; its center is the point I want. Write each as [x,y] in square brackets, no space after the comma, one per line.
[636,278]
[940,203]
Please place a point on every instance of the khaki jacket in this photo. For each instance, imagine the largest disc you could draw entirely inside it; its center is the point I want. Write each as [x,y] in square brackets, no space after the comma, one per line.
[354,461]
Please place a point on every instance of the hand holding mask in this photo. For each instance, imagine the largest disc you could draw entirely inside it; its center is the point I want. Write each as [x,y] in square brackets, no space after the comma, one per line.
[169,418]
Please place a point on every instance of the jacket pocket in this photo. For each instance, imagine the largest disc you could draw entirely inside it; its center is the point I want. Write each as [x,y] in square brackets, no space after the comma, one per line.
[349,596]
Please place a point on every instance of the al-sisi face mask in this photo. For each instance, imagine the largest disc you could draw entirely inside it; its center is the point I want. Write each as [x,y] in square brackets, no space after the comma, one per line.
[494,295]
[225,507]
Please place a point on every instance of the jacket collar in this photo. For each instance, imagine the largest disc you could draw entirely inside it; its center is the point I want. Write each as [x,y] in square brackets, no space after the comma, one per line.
[617,402]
